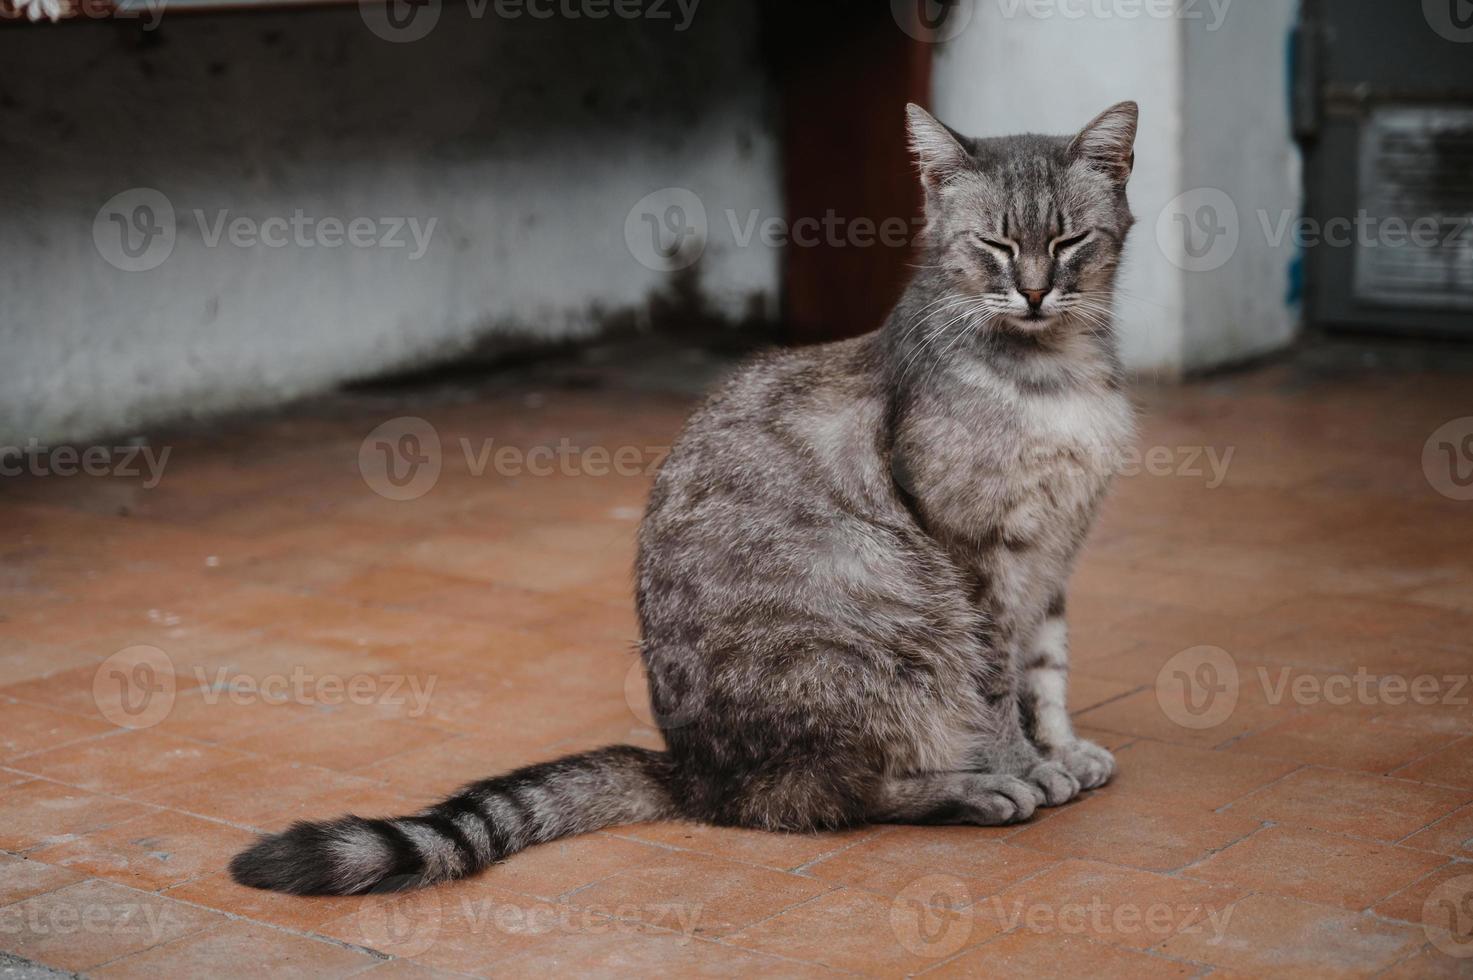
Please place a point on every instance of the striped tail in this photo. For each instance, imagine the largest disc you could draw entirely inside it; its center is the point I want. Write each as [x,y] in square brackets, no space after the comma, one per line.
[478,826]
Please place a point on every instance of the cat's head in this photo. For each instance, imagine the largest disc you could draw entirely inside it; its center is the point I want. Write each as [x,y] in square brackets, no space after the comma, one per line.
[1031,227]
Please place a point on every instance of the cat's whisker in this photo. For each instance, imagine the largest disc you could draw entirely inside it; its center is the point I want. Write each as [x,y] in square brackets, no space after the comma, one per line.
[951,303]
[1135,297]
[940,334]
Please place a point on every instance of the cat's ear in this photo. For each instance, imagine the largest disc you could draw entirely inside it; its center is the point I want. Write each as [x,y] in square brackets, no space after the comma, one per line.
[1108,142]
[938,150]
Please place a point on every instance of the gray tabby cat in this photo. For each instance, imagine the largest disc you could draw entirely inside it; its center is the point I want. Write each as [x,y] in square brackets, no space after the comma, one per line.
[851,574]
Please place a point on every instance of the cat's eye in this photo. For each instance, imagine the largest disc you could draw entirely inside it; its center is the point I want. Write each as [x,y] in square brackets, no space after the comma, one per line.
[1064,244]
[1010,248]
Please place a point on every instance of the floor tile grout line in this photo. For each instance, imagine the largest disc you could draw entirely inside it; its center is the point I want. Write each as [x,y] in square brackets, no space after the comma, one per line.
[880,831]
[1432,873]
[972,947]
[1368,775]
[829,890]
[122,731]
[1226,807]
[830,887]
[43,969]
[1362,839]
[666,846]
[238,917]
[155,807]
[1052,864]
[1411,955]
[10,762]
[1456,740]
[44,891]
[1075,712]
[707,940]
[245,756]
[691,936]
[1440,820]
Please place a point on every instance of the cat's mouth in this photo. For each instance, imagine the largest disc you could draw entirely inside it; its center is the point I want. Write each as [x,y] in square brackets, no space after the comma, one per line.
[1035,321]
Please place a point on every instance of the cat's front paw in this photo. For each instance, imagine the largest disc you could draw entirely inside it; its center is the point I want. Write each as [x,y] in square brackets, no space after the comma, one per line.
[1058,784]
[1087,762]
[998,800]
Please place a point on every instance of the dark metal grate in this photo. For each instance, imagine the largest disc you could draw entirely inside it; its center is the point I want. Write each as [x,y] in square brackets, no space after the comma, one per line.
[1414,238]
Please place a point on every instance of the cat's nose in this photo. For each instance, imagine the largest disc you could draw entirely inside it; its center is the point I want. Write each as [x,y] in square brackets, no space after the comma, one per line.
[1035,297]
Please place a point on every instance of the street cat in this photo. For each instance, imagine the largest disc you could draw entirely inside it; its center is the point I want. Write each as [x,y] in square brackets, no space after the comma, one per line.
[852,571]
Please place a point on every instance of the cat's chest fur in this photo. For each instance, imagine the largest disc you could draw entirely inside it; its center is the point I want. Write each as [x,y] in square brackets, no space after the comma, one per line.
[1010,477]
[1002,461]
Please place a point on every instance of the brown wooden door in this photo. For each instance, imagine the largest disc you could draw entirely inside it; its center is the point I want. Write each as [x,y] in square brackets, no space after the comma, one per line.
[845,72]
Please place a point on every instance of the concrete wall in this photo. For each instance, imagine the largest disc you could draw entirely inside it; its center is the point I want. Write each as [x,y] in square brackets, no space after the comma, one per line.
[1011,72]
[526,141]
[1238,148]
[1212,80]
[529,142]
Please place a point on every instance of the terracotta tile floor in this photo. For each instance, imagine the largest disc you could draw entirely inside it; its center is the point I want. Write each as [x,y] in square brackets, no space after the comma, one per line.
[1278,653]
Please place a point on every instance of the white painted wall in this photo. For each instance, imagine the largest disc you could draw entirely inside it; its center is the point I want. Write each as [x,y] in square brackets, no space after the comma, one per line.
[1238,142]
[527,141]
[1211,79]
[1010,72]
